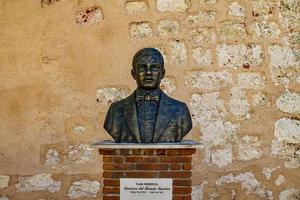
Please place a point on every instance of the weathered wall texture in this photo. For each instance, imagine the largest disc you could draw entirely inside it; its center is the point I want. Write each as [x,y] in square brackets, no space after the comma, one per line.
[236,63]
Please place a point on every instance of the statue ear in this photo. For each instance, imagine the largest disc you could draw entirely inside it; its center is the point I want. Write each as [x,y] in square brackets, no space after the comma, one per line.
[163,73]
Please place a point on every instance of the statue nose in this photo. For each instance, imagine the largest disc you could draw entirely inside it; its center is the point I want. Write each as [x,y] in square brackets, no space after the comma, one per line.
[148,71]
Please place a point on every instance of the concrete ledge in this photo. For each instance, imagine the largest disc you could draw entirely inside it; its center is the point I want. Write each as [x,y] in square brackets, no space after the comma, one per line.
[187,144]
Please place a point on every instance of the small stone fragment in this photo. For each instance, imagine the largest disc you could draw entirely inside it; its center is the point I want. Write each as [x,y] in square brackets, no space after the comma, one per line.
[209,1]
[92,15]
[222,157]
[251,80]
[239,55]
[84,189]
[172,5]
[208,80]
[178,53]
[290,194]
[79,129]
[268,172]
[200,36]
[262,30]
[280,179]
[111,94]
[235,9]
[52,157]
[249,148]
[261,99]
[48,2]
[289,14]
[4,181]
[140,30]
[239,105]
[232,30]
[202,57]
[201,17]
[133,7]
[4,197]
[168,27]
[287,130]
[168,85]
[40,182]
[289,102]
[292,39]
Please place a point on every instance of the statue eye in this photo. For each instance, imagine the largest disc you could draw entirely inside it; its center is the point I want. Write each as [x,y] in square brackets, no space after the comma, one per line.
[141,67]
[155,67]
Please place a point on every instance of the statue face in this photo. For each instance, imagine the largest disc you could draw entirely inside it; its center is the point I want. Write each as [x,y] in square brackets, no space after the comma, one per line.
[148,71]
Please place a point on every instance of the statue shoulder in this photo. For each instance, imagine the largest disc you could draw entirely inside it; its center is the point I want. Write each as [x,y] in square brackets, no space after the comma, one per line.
[172,101]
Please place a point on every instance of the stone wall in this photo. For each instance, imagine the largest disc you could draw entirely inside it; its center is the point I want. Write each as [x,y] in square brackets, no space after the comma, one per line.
[236,63]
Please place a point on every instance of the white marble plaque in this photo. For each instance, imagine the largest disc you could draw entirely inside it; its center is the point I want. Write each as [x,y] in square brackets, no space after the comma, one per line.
[146,189]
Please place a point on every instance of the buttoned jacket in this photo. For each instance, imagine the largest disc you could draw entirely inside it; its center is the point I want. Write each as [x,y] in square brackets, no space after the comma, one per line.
[173,120]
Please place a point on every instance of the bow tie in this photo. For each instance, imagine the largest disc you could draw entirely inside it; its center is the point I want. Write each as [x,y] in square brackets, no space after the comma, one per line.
[141,96]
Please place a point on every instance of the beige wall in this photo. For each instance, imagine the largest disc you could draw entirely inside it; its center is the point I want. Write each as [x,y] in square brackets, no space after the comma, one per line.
[235,63]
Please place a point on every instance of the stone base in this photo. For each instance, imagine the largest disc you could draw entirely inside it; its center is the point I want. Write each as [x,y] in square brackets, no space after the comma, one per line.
[170,160]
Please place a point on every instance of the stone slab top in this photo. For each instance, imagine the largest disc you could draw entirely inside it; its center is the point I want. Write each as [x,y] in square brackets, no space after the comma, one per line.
[186,144]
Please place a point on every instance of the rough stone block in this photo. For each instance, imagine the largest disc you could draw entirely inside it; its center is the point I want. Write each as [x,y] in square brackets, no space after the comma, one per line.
[280,180]
[91,15]
[235,9]
[292,39]
[287,130]
[209,1]
[232,30]
[261,99]
[284,64]
[79,154]
[134,7]
[197,191]
[263,8]
[168,85]
[251,80]
[168,27]
[140,30]
[178,53]
[40,182]
[84,189]
[289,102]
[289,14]
[239,105]
[52,158]
[172,5]
[222,157]
[4,181]
[239,55]
[108,95]
[249,183]
[262,30]
[207,106]
[249,147]
[202,17]
[202,57]
[200,36]
[208,80]
[289,194]
[4,197]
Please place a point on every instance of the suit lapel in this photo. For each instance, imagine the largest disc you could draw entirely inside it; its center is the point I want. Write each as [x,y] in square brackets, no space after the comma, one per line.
[131,117]
[162,117]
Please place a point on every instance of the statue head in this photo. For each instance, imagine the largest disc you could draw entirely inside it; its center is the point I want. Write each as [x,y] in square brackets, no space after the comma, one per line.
[148,68]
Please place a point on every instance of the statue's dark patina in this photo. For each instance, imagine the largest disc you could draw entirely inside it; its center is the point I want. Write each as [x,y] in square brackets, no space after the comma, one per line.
[148,115]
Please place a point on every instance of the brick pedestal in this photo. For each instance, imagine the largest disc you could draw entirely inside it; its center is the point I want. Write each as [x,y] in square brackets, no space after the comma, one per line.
[148,161]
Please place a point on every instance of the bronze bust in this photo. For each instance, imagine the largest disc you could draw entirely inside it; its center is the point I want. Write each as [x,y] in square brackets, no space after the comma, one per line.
[148,115]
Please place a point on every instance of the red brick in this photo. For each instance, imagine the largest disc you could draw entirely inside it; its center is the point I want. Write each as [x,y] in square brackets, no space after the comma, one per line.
[151,166]
[161,152]
[188,197]
[107,174]
[176,159]
[166,174]
[136,152]
[182,182]
[180,152]
[118,166]
[141,174]
[111,182]
[115,159]
[182,190]
[140,159]
[109,197]
[125,152]
[111,190]
[187,166]
[149,152]
[109,151]
[175,166]
[112,174]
